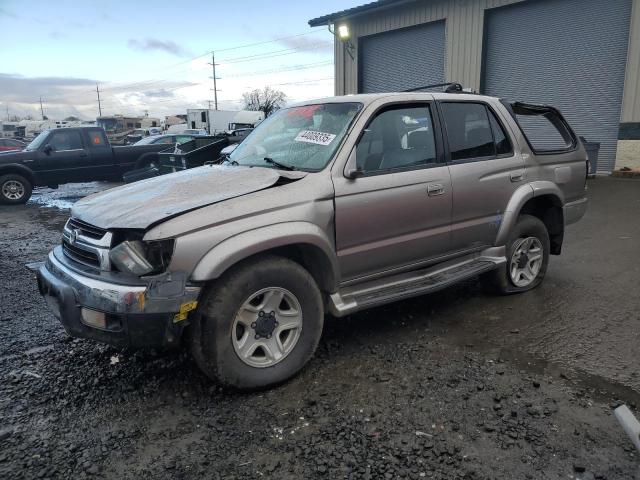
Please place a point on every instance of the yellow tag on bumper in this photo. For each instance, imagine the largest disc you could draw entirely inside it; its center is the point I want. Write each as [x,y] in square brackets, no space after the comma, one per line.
[185,308]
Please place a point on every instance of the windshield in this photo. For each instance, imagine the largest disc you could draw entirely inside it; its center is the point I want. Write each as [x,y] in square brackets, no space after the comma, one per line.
[150,140]
[300,138]
[36,142]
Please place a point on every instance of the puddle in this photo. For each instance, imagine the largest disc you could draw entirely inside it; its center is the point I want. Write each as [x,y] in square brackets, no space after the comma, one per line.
[64,197]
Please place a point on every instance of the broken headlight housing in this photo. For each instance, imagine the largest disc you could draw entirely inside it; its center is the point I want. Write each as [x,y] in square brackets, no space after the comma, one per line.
[142,258]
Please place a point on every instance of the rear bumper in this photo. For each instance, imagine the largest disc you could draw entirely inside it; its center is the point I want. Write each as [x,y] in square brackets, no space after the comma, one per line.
[574,211]
[136,315]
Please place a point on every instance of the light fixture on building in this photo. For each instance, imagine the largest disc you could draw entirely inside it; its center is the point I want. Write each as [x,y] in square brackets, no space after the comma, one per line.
[344,35]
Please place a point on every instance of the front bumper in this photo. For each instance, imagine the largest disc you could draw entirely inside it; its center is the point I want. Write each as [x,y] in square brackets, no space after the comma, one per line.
[574,211]
[149,314]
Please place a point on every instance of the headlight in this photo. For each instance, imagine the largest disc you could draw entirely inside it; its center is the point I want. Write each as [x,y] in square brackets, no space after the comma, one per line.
[142,258]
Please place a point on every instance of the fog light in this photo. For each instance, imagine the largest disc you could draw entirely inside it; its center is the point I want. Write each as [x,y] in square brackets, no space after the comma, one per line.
[94,319]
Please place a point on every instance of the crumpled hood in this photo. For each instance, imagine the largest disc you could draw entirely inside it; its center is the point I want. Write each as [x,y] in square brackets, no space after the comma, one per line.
[144,203]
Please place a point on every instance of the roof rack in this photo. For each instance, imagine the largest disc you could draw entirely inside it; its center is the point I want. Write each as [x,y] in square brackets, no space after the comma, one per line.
[452,87]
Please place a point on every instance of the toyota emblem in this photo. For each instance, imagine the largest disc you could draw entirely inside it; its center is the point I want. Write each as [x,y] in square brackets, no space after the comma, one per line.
[73,238]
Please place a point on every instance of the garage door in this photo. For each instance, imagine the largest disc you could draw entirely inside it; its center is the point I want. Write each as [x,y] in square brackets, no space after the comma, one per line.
[402,59]
[567,53]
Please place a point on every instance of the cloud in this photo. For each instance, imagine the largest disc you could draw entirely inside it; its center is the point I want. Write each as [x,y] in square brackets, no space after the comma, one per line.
[153,44]
[57,35]
[17,88]
[308,44]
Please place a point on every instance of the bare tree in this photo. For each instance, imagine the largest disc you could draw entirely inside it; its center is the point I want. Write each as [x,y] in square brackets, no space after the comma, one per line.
[266,100]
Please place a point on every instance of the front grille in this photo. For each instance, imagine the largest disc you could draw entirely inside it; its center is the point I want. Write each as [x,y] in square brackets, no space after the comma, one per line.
[86,229]
[80,255]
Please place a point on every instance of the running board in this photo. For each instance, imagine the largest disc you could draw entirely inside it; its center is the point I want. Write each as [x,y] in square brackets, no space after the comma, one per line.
[406,285]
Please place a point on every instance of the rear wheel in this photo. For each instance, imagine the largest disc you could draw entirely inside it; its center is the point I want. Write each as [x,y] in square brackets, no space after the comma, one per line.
[14,189]
[259,324]
[528,252]
[147,160]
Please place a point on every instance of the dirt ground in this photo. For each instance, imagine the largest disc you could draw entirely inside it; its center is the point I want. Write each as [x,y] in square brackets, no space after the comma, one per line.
[455,385]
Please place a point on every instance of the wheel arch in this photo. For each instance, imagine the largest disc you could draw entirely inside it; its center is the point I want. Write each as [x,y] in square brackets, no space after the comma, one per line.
[302,242]
[542,200]
[19,170]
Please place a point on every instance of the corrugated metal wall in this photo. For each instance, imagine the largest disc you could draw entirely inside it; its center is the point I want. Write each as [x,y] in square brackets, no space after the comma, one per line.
[464,39]
[417,52]
[533,54]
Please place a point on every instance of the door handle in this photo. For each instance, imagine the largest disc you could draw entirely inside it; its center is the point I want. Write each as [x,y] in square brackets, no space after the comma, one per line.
[517,176]
[435,189]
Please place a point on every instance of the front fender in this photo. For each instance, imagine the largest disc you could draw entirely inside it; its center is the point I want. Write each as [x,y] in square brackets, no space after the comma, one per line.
[234,249]
[19,169]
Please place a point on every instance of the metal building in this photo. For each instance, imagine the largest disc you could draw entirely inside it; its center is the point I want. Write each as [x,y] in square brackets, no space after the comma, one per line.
[582,56]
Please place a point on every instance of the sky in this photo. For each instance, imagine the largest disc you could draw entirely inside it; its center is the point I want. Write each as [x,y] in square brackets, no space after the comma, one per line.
[154,56]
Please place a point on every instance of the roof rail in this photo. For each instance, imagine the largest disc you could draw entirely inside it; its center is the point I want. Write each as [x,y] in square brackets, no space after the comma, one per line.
[452,87]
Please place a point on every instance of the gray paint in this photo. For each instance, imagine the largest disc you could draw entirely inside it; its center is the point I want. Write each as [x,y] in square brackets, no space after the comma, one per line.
[418,52]
[534,54]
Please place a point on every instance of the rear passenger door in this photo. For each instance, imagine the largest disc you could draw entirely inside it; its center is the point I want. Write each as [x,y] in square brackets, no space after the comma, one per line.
[395,215]
[100,164]
[485,171]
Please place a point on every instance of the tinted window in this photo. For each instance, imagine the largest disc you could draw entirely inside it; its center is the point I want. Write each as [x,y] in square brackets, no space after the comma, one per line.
[65,141]
[396,138]
[468,130]
[503,144]
[180,139]
[96,137]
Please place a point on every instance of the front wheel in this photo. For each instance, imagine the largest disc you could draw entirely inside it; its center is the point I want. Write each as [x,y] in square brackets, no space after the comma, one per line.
[259,324]
[14,189]
[528,251]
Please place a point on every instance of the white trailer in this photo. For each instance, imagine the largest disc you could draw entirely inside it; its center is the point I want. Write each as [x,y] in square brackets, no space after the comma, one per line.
[218,121]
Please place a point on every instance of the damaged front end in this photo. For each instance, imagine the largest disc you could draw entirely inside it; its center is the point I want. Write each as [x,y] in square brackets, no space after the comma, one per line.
[113,287]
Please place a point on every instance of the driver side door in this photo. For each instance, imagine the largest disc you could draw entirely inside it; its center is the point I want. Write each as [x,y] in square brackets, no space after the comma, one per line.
[64,161]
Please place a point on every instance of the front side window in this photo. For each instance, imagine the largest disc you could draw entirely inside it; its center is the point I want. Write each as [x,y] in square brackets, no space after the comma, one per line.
[300,138]
[398,137]
[468,130]
[62,140]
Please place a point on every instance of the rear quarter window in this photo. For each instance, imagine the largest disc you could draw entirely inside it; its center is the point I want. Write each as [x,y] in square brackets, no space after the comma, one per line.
[544,128]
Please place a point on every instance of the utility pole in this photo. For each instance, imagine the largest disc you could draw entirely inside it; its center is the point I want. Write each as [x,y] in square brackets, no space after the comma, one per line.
[99,104]
[215,86]
[41,109]
[7,112]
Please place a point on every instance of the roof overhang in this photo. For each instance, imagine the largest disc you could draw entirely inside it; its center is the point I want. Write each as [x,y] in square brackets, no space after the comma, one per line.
[351,12]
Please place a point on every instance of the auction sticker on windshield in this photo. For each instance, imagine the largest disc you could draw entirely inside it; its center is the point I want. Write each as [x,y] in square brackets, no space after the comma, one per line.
[319,138]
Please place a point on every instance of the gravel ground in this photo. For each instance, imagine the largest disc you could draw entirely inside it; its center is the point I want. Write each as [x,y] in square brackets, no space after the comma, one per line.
[456,385]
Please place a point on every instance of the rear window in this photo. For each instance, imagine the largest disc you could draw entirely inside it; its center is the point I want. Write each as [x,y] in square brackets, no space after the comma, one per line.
[545,129]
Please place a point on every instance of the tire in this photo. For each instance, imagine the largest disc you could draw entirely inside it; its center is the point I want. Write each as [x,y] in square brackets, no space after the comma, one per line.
[14,189]
[147,160]
[222,322]
[527,237]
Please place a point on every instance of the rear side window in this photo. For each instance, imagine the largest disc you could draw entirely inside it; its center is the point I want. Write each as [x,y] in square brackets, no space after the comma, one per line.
[468,130]
[96,138]
[501,139]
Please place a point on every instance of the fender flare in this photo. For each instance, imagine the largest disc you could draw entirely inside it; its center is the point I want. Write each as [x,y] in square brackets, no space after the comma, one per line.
[239,247]
[521,196]
[20,170]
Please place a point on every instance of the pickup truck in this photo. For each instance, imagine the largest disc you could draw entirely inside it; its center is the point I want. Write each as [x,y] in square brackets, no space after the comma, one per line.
[68,155]
[334,205]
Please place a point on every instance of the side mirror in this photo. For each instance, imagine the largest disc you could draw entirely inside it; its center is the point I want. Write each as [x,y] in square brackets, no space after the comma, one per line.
[354,173]
[47,149]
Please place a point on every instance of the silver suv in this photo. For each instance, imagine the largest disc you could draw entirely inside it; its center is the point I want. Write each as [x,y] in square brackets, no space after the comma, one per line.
[330,206]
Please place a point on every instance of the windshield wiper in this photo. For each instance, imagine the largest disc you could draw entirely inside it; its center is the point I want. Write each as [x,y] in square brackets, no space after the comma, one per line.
[281,166]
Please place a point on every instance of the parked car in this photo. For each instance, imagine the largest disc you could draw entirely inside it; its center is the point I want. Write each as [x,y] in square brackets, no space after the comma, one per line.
[140,133]
[67,155]
[332,206]
[11,145]
[166,139]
